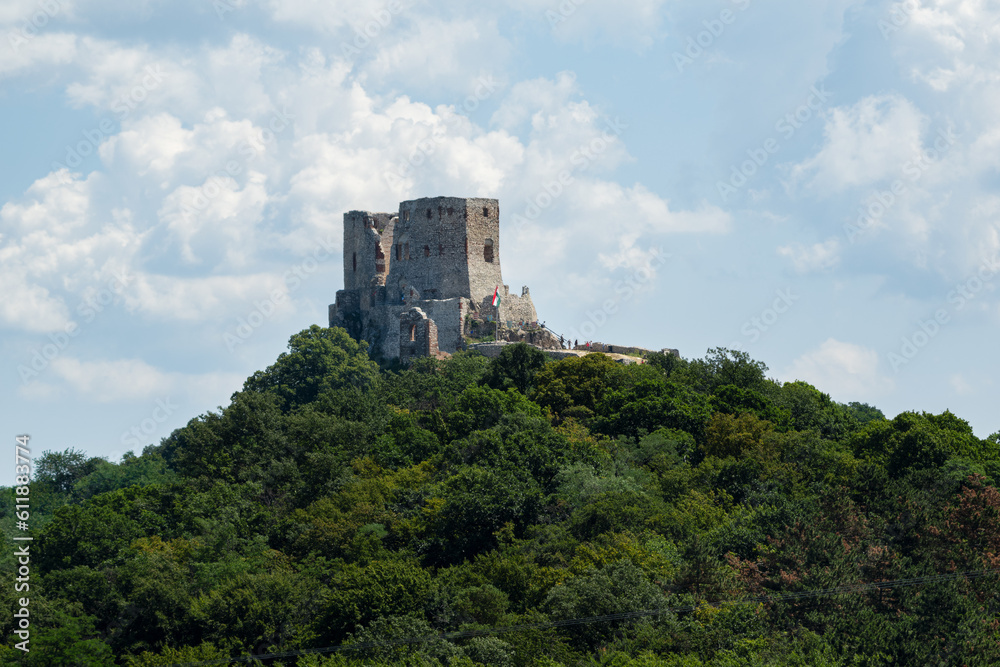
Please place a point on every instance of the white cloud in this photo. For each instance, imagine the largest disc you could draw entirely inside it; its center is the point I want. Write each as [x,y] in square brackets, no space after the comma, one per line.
[48,50]
[334,17]
[126,380]
[109,381]
[847,371]
[817,257]
[949,44]
[219,217]
[438,53]
[960,385]
[150,145]
[176,300]
[29,307]
[865,143]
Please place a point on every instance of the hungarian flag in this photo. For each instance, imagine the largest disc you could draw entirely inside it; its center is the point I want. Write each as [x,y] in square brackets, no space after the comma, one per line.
[496,297]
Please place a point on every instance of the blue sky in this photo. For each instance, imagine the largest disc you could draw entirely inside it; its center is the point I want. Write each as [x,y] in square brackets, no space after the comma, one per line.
[814,183]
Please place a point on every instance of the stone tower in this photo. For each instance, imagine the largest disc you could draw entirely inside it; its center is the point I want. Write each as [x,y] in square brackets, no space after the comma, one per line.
[438,255]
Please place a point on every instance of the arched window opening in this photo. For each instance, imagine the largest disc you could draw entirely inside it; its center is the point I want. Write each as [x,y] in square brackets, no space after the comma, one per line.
[486,212]
[427,251]
[413,332]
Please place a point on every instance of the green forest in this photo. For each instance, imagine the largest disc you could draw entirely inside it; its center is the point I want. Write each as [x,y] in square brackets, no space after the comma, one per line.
[519,511]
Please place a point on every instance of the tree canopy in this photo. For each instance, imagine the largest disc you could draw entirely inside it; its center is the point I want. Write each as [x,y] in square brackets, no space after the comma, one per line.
[683,512]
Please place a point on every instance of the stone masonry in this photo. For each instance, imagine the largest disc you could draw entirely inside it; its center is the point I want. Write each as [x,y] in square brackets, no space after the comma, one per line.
[412,277]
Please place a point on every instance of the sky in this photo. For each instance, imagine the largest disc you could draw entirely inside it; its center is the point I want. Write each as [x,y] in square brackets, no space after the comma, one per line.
[815,183]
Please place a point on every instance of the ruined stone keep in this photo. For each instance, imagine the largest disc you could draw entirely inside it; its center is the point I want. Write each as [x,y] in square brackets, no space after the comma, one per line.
[413,278]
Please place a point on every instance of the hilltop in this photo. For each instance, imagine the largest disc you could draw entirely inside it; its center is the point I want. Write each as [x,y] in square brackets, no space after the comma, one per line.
[335,501]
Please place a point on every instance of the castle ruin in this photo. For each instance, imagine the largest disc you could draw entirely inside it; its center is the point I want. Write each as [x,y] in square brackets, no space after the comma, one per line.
[414,279]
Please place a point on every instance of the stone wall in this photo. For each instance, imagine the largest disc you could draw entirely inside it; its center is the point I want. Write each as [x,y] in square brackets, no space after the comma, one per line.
[418,335]
[449,314]
[616,349]
[483,225]
[436,248]
[365,235]
[514,308]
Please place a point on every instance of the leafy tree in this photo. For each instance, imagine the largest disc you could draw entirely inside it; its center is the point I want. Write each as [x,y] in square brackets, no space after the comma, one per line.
[814,410]
[97,530]
[70,639]
[428,384]
[479,408]
[257,612]
[575,383]
[318,359]
[916,441]
[405,442]
[722,366]
[515,367]
[729,435]
[667,363]
[61,470]
[475,504]
[650,405]
[150,468]
[204,652]
[617,588]
[864,413]
[732,400]
[230,445]
[384,641]
[360,595]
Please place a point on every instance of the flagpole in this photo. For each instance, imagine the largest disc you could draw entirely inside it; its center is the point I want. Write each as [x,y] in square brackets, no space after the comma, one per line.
[496,306]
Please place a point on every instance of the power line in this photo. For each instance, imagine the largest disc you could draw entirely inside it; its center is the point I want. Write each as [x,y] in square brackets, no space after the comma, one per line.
[628,615]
